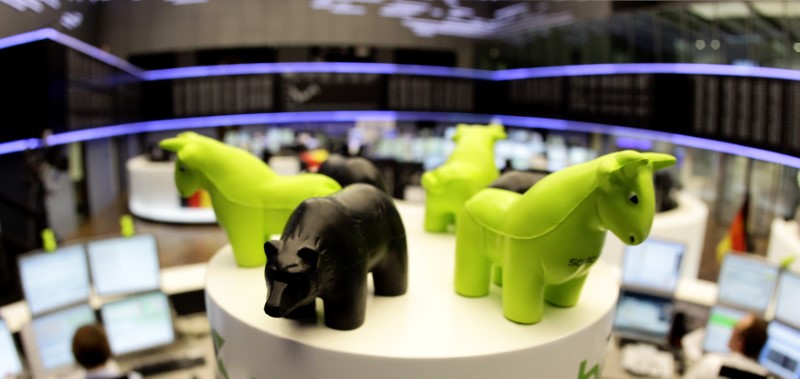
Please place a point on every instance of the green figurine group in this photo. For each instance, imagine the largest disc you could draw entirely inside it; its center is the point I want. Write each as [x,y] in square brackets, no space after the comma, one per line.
[539,245]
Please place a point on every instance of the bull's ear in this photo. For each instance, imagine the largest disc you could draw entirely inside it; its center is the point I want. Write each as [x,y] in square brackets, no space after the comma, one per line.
[172,144]
[460,128]
[498,131]
[660,160]
[271,248]
[309,255]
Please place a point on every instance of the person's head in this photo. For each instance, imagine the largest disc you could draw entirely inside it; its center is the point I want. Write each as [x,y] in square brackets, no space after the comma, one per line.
[749,336]
[90,346]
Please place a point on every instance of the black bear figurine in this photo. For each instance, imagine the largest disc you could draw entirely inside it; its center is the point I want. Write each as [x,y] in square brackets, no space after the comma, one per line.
[347,171]
[328,247]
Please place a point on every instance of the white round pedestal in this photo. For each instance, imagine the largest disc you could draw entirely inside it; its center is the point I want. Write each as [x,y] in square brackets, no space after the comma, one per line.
[430,332]
[153,195]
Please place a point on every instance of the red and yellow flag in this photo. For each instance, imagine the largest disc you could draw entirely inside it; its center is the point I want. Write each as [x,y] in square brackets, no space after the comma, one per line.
[736,238]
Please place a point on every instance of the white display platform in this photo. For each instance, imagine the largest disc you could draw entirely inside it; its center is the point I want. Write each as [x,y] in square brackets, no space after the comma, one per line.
[430,332]
[153,195]
[686,224]
[784,242]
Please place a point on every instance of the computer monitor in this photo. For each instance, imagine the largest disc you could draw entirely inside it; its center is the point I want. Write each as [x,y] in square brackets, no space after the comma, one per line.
[653,266]
[52,336]
[643,317]
[787,308]
[747,282]
[781,353]
[52,280]
[138,322]
[10,364]
[124,265]
[719,328]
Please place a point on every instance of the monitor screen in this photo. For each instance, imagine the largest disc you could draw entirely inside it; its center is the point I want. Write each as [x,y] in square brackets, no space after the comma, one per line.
[747,282]
[138,322]
[124,265]
[10,364]
[781,353]
[787,308]
[52,280]
[53,334]
[654,265]
[719,328]
[643,317]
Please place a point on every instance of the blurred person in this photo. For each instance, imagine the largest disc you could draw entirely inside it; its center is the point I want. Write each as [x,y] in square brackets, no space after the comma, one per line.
[747,339]
[92,351]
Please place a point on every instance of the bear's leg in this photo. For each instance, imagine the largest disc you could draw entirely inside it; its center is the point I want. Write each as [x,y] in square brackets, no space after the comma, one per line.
[523,286]
[347,310]
[391,276]
[244,228]
[565,294]
[473,267]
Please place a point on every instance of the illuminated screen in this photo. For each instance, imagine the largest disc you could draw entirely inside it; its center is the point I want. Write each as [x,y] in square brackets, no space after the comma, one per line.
[53,334]
[653,265]
[643,316]
[781,353]
[787,308]
[10,365]
[124,265]
[54,279]
[138,322]
[719,328]
[746,282]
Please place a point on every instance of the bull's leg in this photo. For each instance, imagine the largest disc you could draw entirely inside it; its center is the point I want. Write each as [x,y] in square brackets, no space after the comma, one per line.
[436,219]
[473,267]
[497,275]
[565,294]
[523,285]
[245,230]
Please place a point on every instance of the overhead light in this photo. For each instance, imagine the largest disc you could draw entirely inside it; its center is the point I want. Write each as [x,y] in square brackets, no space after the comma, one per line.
[71,20]
[797,47]
[715,44]
[700,44]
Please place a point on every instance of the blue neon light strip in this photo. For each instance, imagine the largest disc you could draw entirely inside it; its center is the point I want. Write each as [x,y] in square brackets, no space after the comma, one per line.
[308,67]
[395,69]
[647,68]
[352,116]
[73,43]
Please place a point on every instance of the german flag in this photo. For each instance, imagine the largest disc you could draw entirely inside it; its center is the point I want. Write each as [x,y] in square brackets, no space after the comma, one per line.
[736,238]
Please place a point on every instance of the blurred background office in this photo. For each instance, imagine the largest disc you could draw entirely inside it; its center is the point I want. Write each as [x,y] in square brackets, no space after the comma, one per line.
[80,184]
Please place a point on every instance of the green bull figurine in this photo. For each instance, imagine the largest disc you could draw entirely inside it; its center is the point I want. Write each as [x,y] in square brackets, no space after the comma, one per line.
[251,201]
[546,240]
[469,169]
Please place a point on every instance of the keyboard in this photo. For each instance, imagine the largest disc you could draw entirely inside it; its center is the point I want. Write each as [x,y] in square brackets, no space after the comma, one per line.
[167,365]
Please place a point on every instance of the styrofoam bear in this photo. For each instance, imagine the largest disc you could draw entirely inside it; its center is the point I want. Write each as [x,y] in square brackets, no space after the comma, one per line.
[351,170]
[327,249]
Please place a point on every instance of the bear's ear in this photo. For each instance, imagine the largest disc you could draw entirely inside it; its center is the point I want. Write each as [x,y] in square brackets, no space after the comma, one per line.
[309,255]
[271,248]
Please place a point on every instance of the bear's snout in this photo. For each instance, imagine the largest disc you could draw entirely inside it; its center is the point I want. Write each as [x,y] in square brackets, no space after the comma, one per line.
[274,310]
